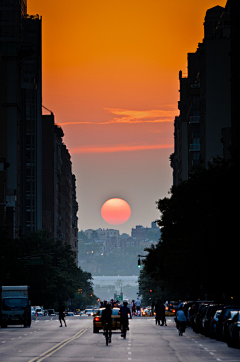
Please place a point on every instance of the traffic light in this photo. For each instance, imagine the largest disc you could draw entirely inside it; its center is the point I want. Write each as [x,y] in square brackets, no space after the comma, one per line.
[139,263]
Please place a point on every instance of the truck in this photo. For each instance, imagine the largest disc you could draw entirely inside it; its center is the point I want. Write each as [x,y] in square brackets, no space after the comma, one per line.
[15,306]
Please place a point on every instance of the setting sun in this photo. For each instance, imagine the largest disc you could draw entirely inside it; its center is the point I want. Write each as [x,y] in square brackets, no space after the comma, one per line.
[116,211]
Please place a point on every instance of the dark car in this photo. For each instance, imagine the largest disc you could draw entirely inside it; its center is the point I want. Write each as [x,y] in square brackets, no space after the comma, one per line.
[211,310]
[227,324]
[233,338]
[220,331]
[196,317]
[213,324]
[97,320]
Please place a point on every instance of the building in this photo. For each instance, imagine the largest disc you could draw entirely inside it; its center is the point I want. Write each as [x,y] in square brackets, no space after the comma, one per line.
[202,131]
[21,119]
[59,186]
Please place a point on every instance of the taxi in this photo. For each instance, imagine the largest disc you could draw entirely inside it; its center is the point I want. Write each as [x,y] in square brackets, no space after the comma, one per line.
[170,310]
[97,320]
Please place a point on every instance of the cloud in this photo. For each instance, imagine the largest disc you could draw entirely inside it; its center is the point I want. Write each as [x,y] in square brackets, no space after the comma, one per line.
[126,116]
[117,148]
[150,116]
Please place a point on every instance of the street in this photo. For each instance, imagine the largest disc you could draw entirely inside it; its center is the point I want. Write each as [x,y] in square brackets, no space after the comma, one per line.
[45,341]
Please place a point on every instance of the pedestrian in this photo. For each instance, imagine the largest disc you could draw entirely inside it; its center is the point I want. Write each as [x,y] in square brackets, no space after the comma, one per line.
[133,307]
[27,319]
[162,314]
[158,310]
[138,306]
[61,316]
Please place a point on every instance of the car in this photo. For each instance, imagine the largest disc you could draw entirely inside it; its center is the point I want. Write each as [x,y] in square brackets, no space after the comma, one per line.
[220,331]
[146,311]
[88,312]
[33,312]
[170,310]
[227,324]
[97,320]
[233,338]
[51,312]
[211,310]
[69,314]
[213,324]
[39,313]
[197,312]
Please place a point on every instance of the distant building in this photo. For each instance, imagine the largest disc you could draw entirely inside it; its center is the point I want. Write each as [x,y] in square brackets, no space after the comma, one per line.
[141,233]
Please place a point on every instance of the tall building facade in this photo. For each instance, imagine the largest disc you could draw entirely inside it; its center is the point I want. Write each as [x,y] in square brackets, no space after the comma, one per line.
[202,131]
[21,117]
[37,187]
[59,201]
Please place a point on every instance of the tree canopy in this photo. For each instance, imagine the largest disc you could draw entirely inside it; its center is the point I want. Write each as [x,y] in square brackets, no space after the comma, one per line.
[195,255]
[55,279]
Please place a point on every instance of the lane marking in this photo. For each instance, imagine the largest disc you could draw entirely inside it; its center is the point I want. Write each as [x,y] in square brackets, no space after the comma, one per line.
[58,346]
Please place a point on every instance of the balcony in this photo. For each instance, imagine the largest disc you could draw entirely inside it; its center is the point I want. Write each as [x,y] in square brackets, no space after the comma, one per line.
[194,119]
[195,147]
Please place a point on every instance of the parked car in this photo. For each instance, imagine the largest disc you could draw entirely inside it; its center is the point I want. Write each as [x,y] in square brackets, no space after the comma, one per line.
[213,324]
[51,312]
[69,314]
[222,318]
[211,309]
[227,323]
[210,314]
[199,318]
[97,320]
[33,312]
[233,338]
[196,317]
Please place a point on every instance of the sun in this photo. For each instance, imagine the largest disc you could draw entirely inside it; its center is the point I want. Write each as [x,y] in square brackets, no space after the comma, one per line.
[115,211]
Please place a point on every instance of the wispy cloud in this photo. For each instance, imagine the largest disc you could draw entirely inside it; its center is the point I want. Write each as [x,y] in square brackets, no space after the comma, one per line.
[117,148]
[126,116]
[150,116]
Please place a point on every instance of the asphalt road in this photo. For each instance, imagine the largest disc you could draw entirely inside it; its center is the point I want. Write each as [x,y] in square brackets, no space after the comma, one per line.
[145,342]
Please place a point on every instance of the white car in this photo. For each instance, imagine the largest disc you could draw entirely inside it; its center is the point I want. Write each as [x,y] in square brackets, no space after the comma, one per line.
[88,312]
[39,312]
[33,312]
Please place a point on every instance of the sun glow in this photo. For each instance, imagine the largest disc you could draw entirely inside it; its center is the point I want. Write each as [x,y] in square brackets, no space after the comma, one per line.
[116,211]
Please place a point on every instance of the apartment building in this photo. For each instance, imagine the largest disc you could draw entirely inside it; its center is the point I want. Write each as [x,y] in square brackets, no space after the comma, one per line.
[20,112]
[59,186]
[202,131]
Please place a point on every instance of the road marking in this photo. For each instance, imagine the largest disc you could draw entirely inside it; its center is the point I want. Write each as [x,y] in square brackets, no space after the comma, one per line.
[58,346]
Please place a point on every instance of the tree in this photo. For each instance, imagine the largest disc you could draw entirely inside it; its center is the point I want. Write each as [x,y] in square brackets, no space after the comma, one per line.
[198,224]
[56,279]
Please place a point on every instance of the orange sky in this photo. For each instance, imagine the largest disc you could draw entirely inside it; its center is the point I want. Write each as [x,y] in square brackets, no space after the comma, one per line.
[110,76]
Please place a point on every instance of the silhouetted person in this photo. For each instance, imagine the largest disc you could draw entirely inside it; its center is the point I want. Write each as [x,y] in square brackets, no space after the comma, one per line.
[162,314]
[27,317]
[124,312]
[61,311]
[158,312]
